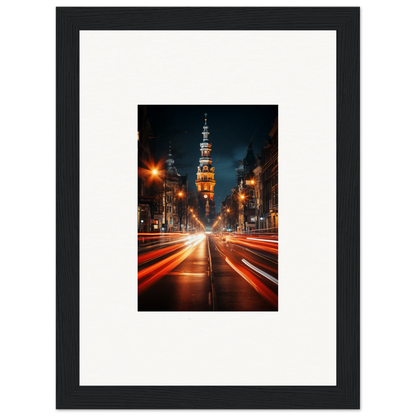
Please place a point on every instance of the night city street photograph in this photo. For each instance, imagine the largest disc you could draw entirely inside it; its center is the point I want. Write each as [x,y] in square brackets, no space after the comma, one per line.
[208,208]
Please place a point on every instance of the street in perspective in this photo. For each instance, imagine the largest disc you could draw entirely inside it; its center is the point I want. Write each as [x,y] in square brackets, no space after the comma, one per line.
[208,208]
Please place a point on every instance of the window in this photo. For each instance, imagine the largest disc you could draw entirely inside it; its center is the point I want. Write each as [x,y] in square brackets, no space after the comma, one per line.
[252,204]
[252,219]
[170,220]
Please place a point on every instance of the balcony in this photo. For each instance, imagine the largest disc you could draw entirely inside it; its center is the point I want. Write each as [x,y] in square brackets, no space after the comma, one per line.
[210,181]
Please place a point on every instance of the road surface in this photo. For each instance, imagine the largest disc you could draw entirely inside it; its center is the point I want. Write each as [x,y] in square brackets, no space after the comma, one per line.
[208,273]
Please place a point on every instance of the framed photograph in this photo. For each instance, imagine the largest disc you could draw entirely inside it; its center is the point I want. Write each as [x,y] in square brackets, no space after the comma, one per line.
[207,208]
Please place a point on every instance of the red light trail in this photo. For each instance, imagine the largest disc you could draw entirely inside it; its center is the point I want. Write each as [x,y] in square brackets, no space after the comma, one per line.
[164,266]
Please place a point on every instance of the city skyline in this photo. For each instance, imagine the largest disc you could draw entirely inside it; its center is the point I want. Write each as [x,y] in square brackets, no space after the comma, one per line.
[231,128]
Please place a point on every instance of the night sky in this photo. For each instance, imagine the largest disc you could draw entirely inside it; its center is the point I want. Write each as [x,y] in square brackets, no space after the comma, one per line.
[231,128]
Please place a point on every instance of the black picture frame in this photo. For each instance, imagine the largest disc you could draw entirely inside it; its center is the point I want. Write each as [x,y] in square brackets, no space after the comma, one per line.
[346,393]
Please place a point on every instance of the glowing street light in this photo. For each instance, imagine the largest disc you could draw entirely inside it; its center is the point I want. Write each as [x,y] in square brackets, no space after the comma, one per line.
[156,172]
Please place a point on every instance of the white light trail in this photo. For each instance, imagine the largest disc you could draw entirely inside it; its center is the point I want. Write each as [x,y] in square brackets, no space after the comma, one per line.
[260,239]
[266,275]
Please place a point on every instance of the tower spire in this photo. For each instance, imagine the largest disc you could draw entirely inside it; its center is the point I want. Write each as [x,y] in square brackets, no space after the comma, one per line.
[205,133]
[170,163]
[205,181]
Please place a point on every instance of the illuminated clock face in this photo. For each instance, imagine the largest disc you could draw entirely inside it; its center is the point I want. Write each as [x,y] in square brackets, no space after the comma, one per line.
[205,196]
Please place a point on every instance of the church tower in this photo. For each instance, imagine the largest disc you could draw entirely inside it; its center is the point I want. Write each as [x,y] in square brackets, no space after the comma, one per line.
[205,181]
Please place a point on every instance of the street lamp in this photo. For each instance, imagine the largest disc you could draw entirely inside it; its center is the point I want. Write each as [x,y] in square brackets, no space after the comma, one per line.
[182,210]
[241,211]
[227,219]
[155,172]
[189,221]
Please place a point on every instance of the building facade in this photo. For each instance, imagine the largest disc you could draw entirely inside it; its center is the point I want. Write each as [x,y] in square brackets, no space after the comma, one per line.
[270,180]
[256,194]
[246,198]
[146,189]
[205,181]
[171,207]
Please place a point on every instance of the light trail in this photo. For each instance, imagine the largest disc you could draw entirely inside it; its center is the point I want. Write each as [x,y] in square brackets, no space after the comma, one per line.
[144,258]
[259,246]
[158,235]
[257,254]
[164,266]
[264,256]
[261,239]
[172,246]
[146,239]
[262,272]
[255,282]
